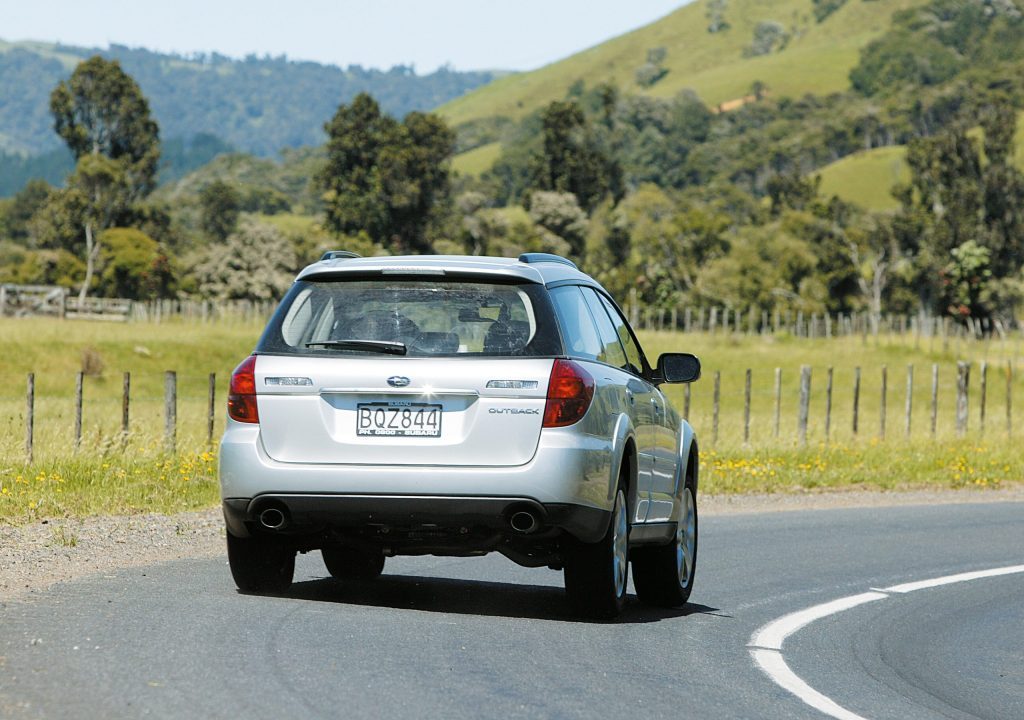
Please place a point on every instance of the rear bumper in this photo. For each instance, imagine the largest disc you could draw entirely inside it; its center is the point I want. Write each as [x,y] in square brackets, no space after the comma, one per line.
[321,513]
[568,468]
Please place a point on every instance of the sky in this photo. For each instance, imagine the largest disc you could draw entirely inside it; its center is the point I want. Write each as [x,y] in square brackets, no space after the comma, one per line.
[467,34]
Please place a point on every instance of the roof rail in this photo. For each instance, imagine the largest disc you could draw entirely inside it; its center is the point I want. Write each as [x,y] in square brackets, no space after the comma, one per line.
[538,257]
[338,255]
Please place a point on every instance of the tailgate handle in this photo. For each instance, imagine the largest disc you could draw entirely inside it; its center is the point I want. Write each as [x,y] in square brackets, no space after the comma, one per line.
[418,392]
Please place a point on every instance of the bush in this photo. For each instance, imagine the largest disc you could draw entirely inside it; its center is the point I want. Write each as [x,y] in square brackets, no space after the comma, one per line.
[255,263]
[769,37]
[134,266]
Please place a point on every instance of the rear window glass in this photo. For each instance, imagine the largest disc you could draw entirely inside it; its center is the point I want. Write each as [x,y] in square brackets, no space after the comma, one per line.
[578,329]
[428,318]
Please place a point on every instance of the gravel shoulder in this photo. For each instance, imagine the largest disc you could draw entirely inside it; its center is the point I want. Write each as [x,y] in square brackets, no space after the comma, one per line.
[34,557]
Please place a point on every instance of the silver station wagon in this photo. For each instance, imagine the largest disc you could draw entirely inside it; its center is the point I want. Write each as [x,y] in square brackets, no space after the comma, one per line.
[438,405]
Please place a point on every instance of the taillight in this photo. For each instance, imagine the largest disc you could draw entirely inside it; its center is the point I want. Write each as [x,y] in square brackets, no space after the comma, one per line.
[242,394]
[570,390]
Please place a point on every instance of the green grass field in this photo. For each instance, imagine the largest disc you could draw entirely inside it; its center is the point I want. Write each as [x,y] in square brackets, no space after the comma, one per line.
[817,59]
[866,178]
[110,475]
[478,160]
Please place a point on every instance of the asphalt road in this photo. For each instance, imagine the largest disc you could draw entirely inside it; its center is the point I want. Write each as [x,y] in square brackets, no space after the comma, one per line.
[471,638]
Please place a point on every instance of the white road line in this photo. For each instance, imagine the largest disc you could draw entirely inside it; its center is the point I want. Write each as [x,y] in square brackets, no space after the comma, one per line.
[772,635]
[766,643]
[950,579]
[775,667]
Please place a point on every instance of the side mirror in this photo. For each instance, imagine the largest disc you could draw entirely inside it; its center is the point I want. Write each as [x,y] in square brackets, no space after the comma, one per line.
[678,368]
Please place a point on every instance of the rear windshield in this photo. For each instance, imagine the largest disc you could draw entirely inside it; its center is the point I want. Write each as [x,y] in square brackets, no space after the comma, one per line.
[418,318]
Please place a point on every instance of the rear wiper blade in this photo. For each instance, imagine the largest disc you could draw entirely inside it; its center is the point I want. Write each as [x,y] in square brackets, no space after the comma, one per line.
[381,346]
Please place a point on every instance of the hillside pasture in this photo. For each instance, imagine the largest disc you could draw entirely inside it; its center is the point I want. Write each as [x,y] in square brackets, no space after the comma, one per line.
[866,178]
[817,57]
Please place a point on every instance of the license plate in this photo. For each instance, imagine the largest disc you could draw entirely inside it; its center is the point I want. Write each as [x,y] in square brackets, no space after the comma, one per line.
[398,419]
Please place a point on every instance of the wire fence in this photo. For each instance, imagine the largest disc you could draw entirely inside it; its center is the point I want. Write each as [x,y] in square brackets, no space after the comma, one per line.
[738,408]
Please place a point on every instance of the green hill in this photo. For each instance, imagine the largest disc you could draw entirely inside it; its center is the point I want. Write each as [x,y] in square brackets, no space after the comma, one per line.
[816,57]
[865,178]
[258,105]
[477,160]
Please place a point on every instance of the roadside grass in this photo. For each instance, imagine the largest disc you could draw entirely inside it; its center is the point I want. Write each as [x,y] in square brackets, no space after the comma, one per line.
[121,484]
[112,474]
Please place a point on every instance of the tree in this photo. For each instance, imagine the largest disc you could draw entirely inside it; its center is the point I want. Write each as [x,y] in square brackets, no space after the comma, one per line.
[766,267]
[219,207]
[383,177]
[103,117]
[101,110]
[135,266]
[96,194]
[560,214]
[418,185]
[965,279]
[256,262]
[22,207]
[571,160]
[652,71]
[961,200]
[351,180]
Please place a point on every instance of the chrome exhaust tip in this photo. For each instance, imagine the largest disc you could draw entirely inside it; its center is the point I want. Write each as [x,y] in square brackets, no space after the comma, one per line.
[524,521]
[273,518]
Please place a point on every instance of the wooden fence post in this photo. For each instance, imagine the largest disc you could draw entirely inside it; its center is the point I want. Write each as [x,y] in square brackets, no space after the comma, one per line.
[126,391]
[714,415]
[30,417]
[828,404]
[746,411]
[935,397]
[170,410]
[981,400]
[882,407]
[1009,398]
[910,397]
[211,409]
[963,379]
[856,399]
[778,399]
[686,401]
[78,409]
[805,401]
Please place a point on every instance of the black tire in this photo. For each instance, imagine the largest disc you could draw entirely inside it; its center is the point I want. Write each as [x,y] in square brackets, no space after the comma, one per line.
[350,564]
[663,575]
[597,574]
[260,564]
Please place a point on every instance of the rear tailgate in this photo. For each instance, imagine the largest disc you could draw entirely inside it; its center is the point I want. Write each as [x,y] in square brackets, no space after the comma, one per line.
[453,411]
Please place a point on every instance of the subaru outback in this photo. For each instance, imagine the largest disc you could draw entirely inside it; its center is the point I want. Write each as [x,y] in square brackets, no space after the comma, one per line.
[441,405]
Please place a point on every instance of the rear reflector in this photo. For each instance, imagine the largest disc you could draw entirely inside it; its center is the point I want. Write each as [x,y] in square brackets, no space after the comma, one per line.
[570,390]
[242,394]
